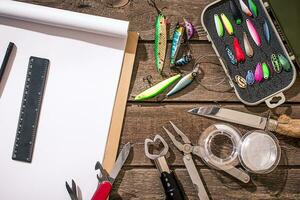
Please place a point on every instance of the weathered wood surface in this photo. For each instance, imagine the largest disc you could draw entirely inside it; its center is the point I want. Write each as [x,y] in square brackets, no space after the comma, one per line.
[143,121]
[281,184]
[139,178]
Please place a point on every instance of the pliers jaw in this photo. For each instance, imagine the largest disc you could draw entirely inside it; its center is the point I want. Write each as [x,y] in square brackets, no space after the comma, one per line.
[186,147]
[185,139]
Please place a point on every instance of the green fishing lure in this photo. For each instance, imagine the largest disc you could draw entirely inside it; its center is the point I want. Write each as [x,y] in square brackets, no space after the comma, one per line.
[265,70]
[276,64]
[157,89]
[284,63]
[219,25]
[160,45]
[253,8]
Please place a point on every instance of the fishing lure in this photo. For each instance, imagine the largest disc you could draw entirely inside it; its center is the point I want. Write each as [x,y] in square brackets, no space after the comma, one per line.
[230,55]
[266,32]
[176,42]
[160,45]
[227,24]
[236,14]
[185,81]
[258,76]
[185,59]
[157,89]
[219,25]
[189,29]
[245,8]
[284,63]
[239,54]
[270,69]
[241,82]
[254,34]
[276,64]
[248,49]
[265,70]
[250,77]
[253,8]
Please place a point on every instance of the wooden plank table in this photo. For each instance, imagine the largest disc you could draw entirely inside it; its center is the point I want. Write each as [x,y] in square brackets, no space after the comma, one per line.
[139,177]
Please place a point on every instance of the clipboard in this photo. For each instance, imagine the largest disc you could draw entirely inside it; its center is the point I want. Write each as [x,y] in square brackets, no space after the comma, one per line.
[116,124]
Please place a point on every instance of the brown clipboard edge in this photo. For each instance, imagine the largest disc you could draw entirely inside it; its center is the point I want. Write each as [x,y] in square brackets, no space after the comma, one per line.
[116,124]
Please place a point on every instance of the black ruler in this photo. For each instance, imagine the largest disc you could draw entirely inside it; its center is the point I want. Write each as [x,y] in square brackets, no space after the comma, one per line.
[30,109]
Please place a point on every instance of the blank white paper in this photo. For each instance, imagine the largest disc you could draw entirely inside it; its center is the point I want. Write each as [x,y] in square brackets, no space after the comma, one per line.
[77,106]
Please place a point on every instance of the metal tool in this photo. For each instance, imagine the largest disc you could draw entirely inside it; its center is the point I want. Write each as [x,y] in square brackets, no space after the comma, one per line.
[167,177]
[188,149]
[106,180]
[284,125]
[72,191]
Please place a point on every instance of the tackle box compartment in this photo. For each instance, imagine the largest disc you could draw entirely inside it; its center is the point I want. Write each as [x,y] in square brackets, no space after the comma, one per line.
[271,90]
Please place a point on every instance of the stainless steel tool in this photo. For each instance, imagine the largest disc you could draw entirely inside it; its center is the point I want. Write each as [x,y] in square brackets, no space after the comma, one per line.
[167,177]
[188,149]
[284,125]
[73,191]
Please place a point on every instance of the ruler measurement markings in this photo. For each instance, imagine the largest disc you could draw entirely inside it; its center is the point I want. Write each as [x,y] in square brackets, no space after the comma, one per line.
[30,109]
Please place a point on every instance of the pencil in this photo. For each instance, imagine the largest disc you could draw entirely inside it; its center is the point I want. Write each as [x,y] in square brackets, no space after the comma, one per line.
[6,59]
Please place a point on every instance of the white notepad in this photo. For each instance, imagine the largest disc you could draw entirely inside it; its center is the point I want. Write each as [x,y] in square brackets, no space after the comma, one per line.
[78,101]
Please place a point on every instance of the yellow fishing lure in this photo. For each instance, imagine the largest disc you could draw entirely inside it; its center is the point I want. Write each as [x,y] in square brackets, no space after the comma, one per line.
[228,26]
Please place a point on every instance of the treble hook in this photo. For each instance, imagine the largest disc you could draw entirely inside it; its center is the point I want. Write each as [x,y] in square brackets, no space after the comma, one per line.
[153,4]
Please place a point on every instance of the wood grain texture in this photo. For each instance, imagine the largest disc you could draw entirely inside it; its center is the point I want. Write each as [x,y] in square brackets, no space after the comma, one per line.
[144,121]
[145,184]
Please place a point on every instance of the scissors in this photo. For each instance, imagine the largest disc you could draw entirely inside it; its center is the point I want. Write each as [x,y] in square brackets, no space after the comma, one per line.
[188,149]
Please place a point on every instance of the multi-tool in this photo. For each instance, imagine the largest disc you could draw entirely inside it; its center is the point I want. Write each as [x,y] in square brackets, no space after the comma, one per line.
[106,180]
[188,149]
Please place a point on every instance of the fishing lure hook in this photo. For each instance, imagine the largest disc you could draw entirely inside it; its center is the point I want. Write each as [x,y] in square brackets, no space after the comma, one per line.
[153,4]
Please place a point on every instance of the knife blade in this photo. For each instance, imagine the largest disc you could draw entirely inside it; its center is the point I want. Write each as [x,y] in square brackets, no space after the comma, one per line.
[120,162]
[284,125]
[105,187]
[233,116]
